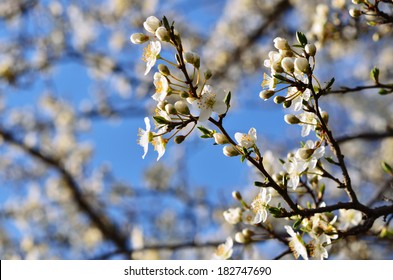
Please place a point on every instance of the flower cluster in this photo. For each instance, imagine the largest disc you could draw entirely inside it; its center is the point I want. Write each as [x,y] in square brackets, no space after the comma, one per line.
[183,96]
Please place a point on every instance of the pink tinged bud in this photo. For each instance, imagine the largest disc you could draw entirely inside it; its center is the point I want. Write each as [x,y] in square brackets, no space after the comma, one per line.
[302,65]
[151,24]
[139,38]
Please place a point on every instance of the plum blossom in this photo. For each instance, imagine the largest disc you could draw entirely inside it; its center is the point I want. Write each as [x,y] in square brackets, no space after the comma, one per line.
[233,215]
[162,87]
[150,54]
[308,123]
[295,168]
[145,137]
[209,102]
[260,206]
[224,251]
[246,140]
[296,244]
[349,218]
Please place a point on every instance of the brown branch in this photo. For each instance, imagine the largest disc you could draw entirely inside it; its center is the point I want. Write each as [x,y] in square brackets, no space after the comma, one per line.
[344,90]
[109,230]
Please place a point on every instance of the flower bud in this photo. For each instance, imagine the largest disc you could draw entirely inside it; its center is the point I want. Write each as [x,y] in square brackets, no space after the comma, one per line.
[151,24]
[192,58]
[310,49]
[353,12]
[230,151]
[291,119]
[287,64]
[287,103]
[286,53]
[302,65]
[236,195]
[279,99]
[240,238]
[162,34]
[184,94]
[170,109]
[208,74]
[281,44]
[139,38]
[266,94]
[161,105]
[163,69]
[220,138]
[305,153]
[325,116]
[179,139]
[247,232]
[182,107]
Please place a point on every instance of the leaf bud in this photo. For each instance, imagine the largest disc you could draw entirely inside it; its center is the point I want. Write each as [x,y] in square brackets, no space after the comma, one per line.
[291,119]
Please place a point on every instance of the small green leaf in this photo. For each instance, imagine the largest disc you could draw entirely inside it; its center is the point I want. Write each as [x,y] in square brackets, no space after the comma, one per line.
[160,120]
[330,83]
[374,74]
[383,91]
[387,168]
[243,158]
[166,23]
[227,99]
[297,223]
[259,184]
[330,160]
[301,38]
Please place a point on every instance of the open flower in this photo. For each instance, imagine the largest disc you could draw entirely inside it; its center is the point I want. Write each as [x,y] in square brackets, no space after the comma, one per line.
[233,215]
[150,54]
[318,249]
[162,87]
[145,137]
[159,144]
[224,251]
[209,102]
[296,244]
[308,122]
[260,205]
[349,218]
[294,167]
[246,140]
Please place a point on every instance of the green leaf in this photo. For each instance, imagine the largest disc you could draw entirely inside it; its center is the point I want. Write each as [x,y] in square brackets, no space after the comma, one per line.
[227,99]
[206,133]
[203,130]
[383,91]
[297,223]
[330,83]
[259,184]
[243,158]
[330,160]
[374,74]
[160,120]
[301,38]
[387,168]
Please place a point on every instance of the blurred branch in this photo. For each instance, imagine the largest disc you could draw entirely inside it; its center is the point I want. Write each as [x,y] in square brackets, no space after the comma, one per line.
[109,230]
[367,136]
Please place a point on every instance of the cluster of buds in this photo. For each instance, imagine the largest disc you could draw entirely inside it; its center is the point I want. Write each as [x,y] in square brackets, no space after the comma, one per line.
[372,10]
[290,66]
[183,96]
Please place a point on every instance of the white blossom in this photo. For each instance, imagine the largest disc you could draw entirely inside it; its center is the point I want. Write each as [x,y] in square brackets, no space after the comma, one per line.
[295,168]
[233,215]
[224,251]
[349,218]
[150,54]
[296,244]
[308,123]
[145,137]
[246,140]
[260,206]
[162,87]
[209,102]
